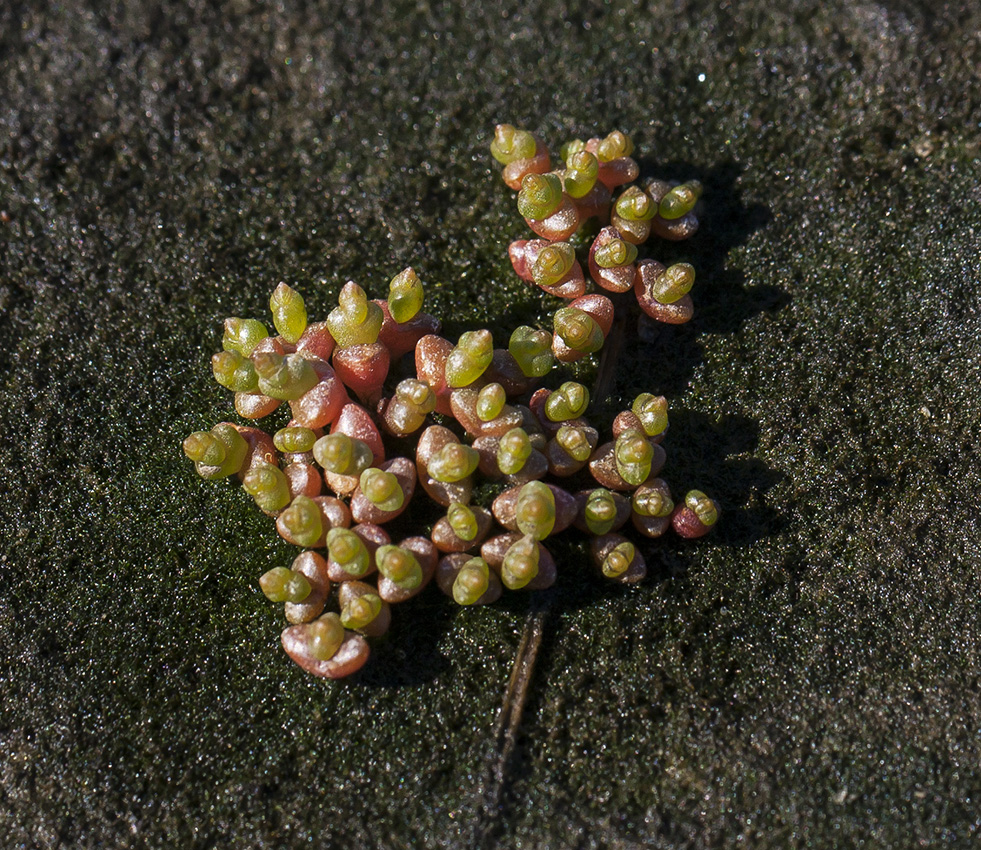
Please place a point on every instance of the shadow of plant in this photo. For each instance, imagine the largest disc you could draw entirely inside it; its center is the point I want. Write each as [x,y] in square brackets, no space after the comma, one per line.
[724,300]
[717,456]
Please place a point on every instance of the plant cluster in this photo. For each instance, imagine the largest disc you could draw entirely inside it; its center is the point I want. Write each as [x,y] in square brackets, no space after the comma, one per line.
[329,477]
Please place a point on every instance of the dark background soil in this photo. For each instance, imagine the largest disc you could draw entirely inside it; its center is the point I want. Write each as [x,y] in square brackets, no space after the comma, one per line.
[806,676]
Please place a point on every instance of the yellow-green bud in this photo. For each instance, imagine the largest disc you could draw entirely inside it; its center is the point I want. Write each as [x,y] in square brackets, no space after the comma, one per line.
[304,521]
[532,349]
[570,148]
[680,200]
[513,450]
[511,144]
[326,636]
[653,500]
[217,453]
[286,378]
[540,196]
[282,584]
[360,612]
[673,283]
[471,582]
[553,263]
[355,320]
[243,335]
[574,441]
[470,358]
[652,411]
[633,453]
[578,330]
[348,551]
[601,511]
[582,169]
[407,410]
[288,312]
[342,455]
[569,401]
[418,394]
[614,254]
[462,521]
[205,448]
[635,205]
[614,146]
[618,560]
[294,440]
[490,402]
[703,507]
[535,510]
[405,296]
[268,485]
[453,463]
[234,372]
[520,563]
[399,566]
[382,489]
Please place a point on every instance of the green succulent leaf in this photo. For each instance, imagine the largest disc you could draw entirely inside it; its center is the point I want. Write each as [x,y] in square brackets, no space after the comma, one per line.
[471,582]
[513,451]
[243,335]
[405,296]
[282,584]
[532,349]
[578,330]
[553,263]
[535,510]
[540,196]
[400,566]
[348,551]
[601,511]
[382,489]
[288,312]
[511,144]
[520,563]
[462,520]
[680,200]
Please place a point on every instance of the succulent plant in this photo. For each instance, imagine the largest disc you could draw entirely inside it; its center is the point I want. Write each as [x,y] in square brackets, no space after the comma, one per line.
[332,476]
